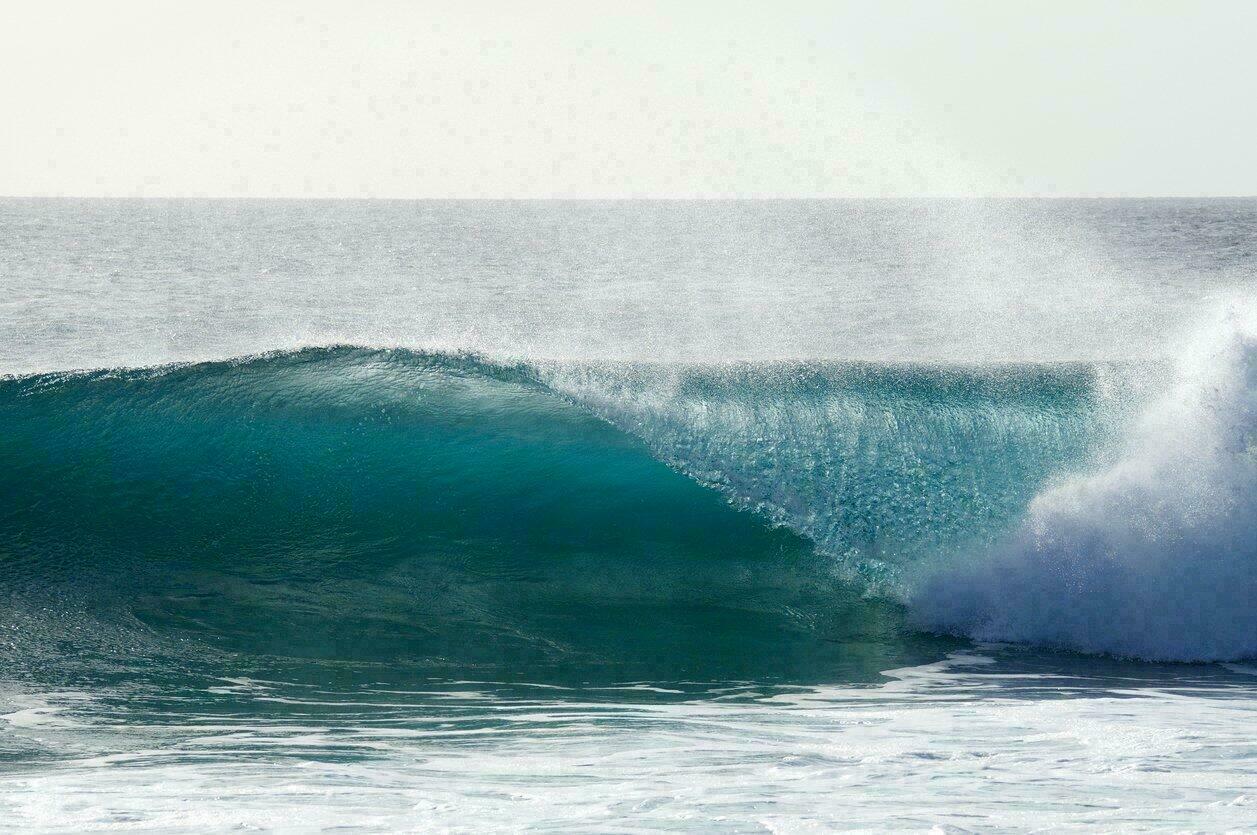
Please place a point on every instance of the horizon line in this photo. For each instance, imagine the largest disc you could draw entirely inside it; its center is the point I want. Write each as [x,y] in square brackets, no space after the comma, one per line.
[625,198]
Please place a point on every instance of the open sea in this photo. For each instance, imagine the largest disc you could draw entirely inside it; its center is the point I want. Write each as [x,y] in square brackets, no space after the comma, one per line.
[730,516]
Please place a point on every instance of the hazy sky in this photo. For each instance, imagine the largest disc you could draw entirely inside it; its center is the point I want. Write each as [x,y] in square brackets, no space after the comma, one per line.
[382,98]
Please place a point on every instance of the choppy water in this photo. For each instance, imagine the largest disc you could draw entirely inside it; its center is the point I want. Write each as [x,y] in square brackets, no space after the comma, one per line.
[636,515]
[982,740]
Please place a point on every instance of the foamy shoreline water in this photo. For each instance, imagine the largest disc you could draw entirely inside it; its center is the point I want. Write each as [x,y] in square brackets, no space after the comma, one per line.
[984,740]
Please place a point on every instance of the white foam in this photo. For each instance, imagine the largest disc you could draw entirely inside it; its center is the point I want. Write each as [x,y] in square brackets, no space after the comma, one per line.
[1153,557]
[899,756]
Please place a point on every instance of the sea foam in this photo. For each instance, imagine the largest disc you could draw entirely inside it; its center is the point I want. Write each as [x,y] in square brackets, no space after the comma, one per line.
[1154,556]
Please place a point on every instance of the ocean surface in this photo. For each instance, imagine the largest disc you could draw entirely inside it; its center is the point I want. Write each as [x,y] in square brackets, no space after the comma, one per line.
[762,516]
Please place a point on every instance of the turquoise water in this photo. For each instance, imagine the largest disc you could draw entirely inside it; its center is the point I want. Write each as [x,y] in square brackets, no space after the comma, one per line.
[460,516]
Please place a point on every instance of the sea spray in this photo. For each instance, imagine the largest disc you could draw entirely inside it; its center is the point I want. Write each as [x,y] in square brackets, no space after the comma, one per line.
[879,465]
[1152,557]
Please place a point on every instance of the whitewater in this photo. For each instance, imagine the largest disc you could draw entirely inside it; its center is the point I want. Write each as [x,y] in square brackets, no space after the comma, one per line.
[734,515]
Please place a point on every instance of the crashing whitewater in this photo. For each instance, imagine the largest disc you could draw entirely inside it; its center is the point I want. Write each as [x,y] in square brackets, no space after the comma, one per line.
[1153,556]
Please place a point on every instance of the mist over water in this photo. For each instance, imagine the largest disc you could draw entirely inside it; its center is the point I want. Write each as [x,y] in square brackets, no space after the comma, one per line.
[388,494]
[103,283]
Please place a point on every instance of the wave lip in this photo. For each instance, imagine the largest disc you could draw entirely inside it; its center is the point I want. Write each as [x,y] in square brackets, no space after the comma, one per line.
[1154,557]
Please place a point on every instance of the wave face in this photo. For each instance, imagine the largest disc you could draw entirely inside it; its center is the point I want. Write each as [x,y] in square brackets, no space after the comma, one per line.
[372,505]
[348,504]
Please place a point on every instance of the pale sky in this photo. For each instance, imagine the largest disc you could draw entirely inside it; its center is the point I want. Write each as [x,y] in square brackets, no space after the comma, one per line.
[382,98]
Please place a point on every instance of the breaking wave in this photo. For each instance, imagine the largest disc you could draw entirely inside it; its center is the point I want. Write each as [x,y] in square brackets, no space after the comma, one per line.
[451,512]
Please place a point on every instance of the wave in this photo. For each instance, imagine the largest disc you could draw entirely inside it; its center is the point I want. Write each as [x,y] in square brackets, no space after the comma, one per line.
[448,512]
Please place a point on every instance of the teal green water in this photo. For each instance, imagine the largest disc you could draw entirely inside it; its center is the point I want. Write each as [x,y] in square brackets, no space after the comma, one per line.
[430,514]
